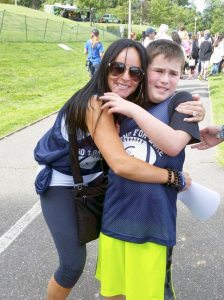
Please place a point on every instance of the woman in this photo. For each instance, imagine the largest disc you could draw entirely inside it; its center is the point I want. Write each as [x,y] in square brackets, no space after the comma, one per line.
[96,129]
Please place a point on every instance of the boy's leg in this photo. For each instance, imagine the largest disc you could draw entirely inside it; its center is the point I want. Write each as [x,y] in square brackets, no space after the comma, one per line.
[146,272]
[169,290]
[134,271]
[110,269]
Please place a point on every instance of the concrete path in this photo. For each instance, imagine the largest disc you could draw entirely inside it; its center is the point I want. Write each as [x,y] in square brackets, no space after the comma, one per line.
[27,254]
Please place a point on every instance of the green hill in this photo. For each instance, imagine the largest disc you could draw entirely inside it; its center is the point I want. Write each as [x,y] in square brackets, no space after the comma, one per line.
[20,23]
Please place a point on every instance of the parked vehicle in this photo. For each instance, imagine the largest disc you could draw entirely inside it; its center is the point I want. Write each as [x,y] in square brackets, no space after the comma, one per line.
[109,18]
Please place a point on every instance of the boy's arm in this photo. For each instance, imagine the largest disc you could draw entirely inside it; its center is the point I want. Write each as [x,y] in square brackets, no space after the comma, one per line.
[107,140]
[169,140]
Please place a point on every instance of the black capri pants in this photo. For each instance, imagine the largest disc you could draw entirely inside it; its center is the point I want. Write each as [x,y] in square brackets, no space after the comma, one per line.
[59,212]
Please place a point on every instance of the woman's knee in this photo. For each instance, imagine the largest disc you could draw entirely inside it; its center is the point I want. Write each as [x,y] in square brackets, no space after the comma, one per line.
[68,275]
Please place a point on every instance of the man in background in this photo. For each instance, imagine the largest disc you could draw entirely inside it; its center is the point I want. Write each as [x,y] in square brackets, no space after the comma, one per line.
[150,34]
[94,51]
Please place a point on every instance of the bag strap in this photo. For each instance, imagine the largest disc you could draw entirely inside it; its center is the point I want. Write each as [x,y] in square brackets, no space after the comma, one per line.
[73,151]
[75,168]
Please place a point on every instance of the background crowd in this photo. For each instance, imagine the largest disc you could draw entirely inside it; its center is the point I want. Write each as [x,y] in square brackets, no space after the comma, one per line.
[204,53]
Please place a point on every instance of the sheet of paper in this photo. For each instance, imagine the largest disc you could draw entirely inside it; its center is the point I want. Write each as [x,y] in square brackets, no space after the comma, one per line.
[200,200]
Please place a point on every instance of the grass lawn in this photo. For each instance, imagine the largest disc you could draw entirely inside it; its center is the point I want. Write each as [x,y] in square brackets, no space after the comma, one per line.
[216,84]
[36,79]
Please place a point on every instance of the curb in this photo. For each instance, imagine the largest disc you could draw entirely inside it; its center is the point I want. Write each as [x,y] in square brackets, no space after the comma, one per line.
[28,125]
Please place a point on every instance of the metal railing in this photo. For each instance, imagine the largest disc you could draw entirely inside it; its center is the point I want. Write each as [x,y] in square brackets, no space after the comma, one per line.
[20,28]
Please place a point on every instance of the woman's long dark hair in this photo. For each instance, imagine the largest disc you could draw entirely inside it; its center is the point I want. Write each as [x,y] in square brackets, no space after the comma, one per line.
[75,108]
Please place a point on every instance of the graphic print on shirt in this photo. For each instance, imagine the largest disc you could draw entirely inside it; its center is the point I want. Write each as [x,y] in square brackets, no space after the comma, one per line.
[137,144]
[88,158]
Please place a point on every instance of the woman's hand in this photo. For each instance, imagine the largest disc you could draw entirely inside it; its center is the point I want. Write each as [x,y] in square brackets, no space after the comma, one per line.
[208,138]
[194,109]
[116,104]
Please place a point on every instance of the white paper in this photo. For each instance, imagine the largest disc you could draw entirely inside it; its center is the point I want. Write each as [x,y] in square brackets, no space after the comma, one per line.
[200,200]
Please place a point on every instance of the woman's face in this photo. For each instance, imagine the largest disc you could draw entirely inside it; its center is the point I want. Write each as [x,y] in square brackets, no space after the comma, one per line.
[124,84]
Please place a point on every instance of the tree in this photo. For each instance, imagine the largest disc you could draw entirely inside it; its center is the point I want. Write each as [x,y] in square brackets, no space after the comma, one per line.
[212,16]
[92,5]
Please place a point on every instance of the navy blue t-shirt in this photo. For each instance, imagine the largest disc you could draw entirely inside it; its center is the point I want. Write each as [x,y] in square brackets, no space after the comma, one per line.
[144,212]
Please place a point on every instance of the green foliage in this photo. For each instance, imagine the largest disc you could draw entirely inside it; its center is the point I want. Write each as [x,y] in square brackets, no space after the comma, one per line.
[7,1]
[169,12]
[213,16]
[216,84]
[91,3]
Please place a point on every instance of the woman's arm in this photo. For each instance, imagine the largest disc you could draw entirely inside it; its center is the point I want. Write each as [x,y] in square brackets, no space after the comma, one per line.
[194,109]
[109,143]
[210,137]
[166,138]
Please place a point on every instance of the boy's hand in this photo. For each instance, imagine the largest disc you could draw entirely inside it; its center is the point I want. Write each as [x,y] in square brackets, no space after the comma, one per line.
[194,109]
[116,104]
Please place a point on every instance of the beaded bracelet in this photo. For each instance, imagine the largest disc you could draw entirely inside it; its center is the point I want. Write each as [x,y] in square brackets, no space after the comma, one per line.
[179,182]
[169,181]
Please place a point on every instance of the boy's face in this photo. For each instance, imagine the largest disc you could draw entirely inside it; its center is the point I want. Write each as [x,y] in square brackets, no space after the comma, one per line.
[163,75]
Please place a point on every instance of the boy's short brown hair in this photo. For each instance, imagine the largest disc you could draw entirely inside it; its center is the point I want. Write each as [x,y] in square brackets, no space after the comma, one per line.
[169,49]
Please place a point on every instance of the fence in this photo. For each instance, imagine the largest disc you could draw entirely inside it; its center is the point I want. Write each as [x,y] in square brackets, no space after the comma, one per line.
[19,28]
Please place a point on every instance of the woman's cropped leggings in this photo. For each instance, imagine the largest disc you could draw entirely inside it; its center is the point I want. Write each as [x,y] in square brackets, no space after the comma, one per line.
[59,212]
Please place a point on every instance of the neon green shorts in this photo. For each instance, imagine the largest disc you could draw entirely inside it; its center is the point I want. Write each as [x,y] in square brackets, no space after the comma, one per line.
[137,271]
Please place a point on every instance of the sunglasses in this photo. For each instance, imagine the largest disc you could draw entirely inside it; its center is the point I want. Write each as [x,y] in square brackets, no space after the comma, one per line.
[118,68]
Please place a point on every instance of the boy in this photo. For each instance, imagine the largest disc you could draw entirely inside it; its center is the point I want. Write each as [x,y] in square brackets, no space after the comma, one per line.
[139,229]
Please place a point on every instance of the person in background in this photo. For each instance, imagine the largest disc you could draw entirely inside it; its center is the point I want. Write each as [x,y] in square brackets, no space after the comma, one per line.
[133,36]
[205,53]
[217,55]
[162,32]
[194,52]
[210,136]
[200,35]
[221,64]
[183,33]
[150,34]
[176,38]
[94,50]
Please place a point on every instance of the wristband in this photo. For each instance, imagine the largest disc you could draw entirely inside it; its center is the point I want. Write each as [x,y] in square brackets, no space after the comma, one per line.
[220,135]
[182,181]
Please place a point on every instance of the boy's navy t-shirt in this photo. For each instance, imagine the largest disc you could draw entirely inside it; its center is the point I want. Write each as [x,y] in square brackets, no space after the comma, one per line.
[144,212]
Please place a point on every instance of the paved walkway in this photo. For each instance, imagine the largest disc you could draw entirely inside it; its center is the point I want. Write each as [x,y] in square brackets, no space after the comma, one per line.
[29,257]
